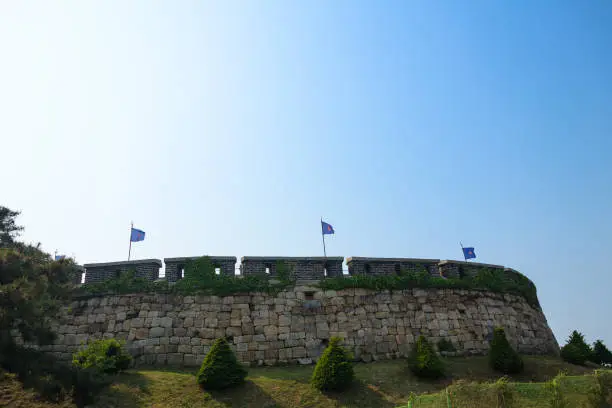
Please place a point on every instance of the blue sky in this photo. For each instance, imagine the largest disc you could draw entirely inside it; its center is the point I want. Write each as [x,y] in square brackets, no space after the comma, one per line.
[230,128]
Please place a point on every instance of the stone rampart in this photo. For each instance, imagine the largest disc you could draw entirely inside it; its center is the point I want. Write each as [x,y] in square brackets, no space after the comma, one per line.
[295,325]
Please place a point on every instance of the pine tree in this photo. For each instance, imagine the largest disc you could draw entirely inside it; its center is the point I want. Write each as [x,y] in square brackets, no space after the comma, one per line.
[601,354]
[334,371]
[576,351]
[502,357]
[220,368]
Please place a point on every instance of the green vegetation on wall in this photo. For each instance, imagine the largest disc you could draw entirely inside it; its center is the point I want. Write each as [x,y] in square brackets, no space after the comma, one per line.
[200,278]
[492,280]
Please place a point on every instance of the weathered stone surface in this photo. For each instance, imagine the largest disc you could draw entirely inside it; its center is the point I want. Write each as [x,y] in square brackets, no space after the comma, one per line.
[156,332]
[266,329]
[141,333]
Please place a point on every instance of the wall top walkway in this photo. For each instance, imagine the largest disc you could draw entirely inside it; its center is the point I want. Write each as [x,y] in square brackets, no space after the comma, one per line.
[292,258]
[124,263]
[189,258]
[366,259]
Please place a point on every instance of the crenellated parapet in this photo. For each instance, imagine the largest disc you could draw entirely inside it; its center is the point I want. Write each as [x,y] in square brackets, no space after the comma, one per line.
[390,266]
[300,268]
[144,268]
[175,267]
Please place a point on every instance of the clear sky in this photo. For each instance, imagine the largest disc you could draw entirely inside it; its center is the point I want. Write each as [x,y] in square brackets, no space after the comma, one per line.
[230,128]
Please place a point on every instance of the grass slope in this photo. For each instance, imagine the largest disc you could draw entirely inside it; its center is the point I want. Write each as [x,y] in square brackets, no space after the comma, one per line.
[382,384]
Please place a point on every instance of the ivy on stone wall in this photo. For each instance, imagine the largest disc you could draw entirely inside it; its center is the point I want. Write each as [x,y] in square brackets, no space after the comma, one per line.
[488,279]
[200,278]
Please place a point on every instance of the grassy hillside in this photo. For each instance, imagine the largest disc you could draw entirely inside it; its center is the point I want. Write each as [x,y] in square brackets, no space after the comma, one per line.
[382,384]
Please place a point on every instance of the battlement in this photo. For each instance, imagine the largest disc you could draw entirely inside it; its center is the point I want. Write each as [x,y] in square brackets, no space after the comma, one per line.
[145,268]
[299,268]
[175,267]
[390,266]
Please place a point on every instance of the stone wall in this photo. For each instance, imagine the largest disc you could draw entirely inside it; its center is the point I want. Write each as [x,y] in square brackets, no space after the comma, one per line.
[175,266]
[145,268]
[300,268]
[390,266]
[460,269]
[295,325]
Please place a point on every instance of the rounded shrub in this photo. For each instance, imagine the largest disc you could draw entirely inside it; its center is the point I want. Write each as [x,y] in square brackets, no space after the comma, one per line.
[107,356]
[423,360]
[220,368]
[502,357]
[334,371]
[576,351]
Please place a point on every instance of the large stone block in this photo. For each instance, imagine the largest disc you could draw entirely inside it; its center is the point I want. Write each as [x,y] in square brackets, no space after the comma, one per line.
[157,332]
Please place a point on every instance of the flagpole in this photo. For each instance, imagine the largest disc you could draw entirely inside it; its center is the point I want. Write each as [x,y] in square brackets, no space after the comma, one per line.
[130,250]
[323,236]
[464,258]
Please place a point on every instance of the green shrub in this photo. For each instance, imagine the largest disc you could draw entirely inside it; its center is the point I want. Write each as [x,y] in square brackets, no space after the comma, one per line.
[446,345]
[220,368]
[334,371]
[424,362]
[576,351]
[502,357]
[106,356]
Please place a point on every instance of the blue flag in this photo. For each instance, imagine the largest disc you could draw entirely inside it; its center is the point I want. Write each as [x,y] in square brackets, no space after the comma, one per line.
[327,228]
[59,257]
[137,235]
[468,253]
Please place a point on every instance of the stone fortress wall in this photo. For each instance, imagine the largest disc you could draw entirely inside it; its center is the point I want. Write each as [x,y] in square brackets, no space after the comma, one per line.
[301,268]
[294,326]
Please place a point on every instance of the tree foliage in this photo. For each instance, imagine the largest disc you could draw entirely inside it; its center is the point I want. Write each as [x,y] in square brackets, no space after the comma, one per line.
[502,357]
[601,354]
[9,229]
[32,289]
[220,368]
[576,350]
[334,371]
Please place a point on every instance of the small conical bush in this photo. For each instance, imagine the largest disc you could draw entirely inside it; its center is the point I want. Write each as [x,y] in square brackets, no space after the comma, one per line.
[220,368]
[334,371]
[423,361]
[502,357]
